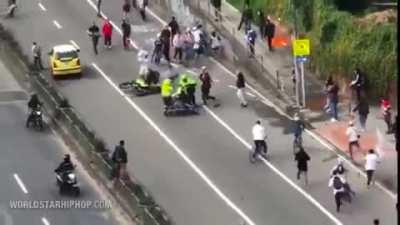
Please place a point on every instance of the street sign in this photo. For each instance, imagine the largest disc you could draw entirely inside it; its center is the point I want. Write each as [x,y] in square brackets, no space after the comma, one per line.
[301,47]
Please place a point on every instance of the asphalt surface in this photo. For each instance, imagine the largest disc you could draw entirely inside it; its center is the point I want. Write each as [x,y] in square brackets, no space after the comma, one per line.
[196,167]
[29,156]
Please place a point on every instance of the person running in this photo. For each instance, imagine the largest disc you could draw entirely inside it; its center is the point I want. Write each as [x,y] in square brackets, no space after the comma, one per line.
[126,33]
[206,83]
[353,137]
[251,36]
[240,85]
[37,56]
[339,168]
[94,33]
[107,33]
[302,158]
[371,162]
[337,183]
[298,129]
[259,136]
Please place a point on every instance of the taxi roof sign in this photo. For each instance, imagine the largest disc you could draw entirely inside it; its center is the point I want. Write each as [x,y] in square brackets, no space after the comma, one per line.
[301,47]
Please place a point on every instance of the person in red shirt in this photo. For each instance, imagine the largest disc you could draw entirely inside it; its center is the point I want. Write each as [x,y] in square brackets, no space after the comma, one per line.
[107,32]
[387,114]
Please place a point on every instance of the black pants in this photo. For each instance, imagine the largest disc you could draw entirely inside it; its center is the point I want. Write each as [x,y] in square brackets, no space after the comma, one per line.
[98,7]
[125,41]
[166,52]
[251,46]
[143,14]
[95,41]
[260,144]
[370,174]
[178,52]
[167,101]
[205,95]
[107,40]
[338,200]
[191,94]
[269,40]
[37,61]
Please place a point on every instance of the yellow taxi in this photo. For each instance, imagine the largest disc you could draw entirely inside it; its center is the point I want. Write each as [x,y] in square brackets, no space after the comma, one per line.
[64,60]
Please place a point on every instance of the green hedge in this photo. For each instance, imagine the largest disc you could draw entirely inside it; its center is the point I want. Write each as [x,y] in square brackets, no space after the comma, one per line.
[339,43]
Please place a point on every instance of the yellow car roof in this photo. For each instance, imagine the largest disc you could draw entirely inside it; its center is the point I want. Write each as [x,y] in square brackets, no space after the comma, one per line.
[64,48]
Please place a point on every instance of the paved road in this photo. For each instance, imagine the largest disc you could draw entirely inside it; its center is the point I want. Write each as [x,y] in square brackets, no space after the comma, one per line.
[30,157]
[196,167]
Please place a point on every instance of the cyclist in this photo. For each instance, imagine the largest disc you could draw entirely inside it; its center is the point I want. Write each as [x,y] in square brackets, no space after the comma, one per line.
[259,137]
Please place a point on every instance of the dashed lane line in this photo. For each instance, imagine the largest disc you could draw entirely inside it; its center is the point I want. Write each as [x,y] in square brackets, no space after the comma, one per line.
[57,24]
[20,183]
[45,221]
[41,6]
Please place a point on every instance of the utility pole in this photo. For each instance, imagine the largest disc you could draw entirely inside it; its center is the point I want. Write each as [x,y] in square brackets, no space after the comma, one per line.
[296,71]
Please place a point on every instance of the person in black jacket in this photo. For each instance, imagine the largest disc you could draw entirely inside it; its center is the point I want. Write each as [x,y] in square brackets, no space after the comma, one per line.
[174,26]
[363,110]
[217,6]
[247,17]
[261,22]
[302,158]
[240,85]
[94,33]
[120,158]
[269,33]
[166,41]
[126,33]
[206,83]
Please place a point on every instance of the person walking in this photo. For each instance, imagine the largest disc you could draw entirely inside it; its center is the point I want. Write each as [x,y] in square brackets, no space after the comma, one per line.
[247,17]
[353,137]
[119,158]
[363,110]
[107,33]
[269,32]
[98,8]
[337,183]
[166,40]
[259,136]
[251,40]
[302,159]
[206,82]
[126,8]
[174,26]
[126,33]
[142,8]
[371,162]
[261,22]
[333,99]
[240,85]
[94,34]
[177,42]
[37,56]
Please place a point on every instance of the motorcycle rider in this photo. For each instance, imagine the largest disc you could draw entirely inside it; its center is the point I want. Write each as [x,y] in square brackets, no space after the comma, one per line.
[65,166]
[33,104]
[166,92]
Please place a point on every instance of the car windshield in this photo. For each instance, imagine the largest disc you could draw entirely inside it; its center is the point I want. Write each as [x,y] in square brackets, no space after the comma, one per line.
[70,54]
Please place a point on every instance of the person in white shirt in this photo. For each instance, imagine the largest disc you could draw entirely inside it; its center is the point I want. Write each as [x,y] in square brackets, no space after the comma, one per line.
[259,137]
[353,136]
[371,161]
[197,33]
[144,59]
[215,42]
[177,42]
[339,168]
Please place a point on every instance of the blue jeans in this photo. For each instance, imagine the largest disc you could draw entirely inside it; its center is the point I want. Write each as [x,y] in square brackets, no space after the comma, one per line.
[333,109]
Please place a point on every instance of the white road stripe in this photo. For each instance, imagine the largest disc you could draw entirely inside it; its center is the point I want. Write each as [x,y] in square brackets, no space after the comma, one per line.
[42,7]
[57,24]
[177,150]
[283,176]
[20,183]
[45,221]
[74,44]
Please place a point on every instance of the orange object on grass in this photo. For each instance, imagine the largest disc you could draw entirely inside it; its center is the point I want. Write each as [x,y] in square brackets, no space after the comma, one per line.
[280,41]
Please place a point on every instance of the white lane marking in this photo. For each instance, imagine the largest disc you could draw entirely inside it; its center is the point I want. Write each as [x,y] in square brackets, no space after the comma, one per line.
[20,183]
[42,7]
[45,221]
[74,44]
[283,176]
[177,149]
[57,24]
[321,141]
[113,24]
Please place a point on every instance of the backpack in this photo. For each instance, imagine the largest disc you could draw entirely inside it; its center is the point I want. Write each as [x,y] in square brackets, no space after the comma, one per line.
[337,183]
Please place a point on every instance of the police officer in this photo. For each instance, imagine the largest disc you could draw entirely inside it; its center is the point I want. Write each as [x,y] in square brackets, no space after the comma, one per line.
[166,92]
[94,33]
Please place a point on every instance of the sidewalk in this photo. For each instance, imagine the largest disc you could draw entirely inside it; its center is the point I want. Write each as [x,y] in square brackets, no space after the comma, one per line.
[281,60]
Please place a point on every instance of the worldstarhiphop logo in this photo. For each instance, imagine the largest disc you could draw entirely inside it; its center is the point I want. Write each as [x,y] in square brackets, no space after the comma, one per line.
[60,204]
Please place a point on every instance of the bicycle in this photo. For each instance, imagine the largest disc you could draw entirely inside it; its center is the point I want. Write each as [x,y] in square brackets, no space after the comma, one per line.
[253,155]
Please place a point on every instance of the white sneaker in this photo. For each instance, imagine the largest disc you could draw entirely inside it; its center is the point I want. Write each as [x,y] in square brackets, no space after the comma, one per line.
[333,120]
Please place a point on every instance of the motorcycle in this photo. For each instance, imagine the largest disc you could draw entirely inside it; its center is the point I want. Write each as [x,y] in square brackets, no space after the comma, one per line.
[35,118]
[180,108]
[152,79]
[67,183]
